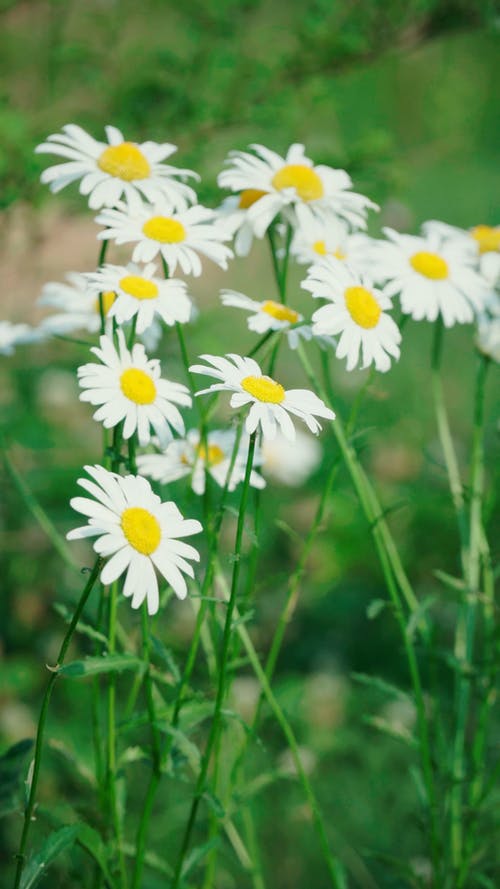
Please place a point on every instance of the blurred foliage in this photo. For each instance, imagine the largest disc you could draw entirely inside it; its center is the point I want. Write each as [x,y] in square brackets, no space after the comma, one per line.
[401,93]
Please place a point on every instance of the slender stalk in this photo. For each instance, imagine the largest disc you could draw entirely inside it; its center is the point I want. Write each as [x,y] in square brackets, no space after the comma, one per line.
[28,814]
[221,689]
[142,832]
[464,647]
[38,512]
[111,739]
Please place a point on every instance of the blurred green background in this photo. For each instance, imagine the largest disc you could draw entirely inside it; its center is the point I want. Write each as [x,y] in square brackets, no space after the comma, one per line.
[404,96]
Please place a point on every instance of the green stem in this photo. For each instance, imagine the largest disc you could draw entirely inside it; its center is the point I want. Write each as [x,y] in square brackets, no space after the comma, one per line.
[28,814]
[111,738]
[142,832]
[221,689]
[39,513]
[464,647]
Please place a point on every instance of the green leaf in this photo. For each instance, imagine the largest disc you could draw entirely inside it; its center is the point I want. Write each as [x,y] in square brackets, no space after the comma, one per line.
[197,855]
[52,847]
[93,843]
[382,685]
[91,666]
[418,614]
[215,804]
[83,628]
[151,859]
[164,653]
[375,607]
[398,732]
[12,773]
[183,743]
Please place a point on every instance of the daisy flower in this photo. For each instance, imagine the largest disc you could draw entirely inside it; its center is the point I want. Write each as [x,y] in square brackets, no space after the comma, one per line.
[355,312]
[432,277]
[488,332]
[483,241]
[316,238]
[127,387]
[270,404]
[12,335]
[136,533]
[177,236]
[79,307]
[190,457]
[294,185]
[114,169]
[268,315]
[291,462]
[137,292]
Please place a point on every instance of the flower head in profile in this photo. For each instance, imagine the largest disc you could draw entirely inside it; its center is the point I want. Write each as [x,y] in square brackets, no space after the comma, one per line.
[12,335]
[292,184]
[137,534]
[355,312]
[128,388]
[270,403]
[178,237]
[78,306]
[233,216]
[189,456]
[269,315]
[432,277]
[115,169]
[139,293]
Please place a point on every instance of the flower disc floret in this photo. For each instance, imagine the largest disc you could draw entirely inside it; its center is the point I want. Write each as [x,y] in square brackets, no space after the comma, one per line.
[264,389]
[487,238]
[268,316]
[430,265]
[280,312]
[137,386]
[126,161]
[362,306]
[141,529]
[140,288]
[304,180]
[165,230]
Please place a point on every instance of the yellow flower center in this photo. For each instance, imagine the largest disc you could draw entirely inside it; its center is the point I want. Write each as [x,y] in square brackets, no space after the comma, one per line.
[139,287]
[487,237]
[280,312]
[304,180]
[249,196]
[320,247]
[141,529]
[137,386]
[362,307]
[165,230]
[212,455]
[264,389]
[430,265]
[124,161]
[108,297]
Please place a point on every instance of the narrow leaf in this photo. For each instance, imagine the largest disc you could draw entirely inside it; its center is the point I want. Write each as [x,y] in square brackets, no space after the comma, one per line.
[52,847]
[91,666]
[12,774]
[94,845]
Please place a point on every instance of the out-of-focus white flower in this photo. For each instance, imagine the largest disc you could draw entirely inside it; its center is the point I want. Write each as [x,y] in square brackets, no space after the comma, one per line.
[189,457]
[488,331]
[128,388]
[136,533]
[269,315]
[12,335]
[116,169]
[270,403]
[356,312]
[291,463]
[137,292]
[233,216]
[432,277]
[79,307]
[177,236]
[293,185]
[316,238]
[481,241]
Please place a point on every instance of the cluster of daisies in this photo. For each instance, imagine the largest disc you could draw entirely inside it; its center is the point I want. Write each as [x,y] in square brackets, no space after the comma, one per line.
[310,213]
